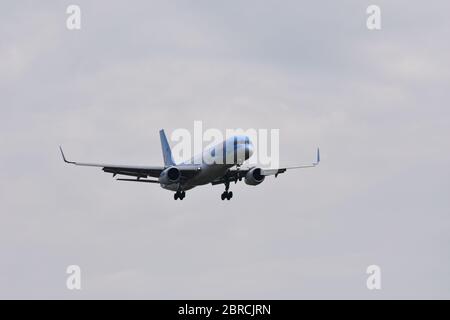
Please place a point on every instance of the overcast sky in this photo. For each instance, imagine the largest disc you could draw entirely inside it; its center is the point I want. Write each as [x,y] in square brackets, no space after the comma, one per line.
[375,101]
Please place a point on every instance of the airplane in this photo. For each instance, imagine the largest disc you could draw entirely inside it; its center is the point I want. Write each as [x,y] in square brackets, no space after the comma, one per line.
[220,164]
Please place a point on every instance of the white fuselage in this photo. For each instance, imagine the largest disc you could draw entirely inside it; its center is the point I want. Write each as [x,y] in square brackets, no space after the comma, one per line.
[214,162]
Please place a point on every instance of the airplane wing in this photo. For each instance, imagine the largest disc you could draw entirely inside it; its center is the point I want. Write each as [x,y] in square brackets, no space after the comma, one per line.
[135,171]
[237,174]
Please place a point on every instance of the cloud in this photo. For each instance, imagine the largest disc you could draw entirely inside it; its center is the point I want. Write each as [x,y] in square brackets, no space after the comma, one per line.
[373,101]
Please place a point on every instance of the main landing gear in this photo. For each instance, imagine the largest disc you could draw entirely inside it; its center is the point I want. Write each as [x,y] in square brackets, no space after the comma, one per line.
[227,194]
[179,195]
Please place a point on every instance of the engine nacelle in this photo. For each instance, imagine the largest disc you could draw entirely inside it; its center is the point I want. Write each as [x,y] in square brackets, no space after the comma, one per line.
[170,175]
[254,177]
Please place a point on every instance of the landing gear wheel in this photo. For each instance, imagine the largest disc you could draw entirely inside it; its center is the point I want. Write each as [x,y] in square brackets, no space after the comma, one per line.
[226,195]
[179,195]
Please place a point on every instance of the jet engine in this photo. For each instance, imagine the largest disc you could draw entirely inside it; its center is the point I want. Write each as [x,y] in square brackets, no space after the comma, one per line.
[170,175]
[254,177]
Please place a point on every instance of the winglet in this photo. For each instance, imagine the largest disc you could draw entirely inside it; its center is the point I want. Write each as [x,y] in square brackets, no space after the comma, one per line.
[64,157]
[318,157]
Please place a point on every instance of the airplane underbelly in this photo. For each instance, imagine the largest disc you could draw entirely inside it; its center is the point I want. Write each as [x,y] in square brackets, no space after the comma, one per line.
[176,186]
[209,174]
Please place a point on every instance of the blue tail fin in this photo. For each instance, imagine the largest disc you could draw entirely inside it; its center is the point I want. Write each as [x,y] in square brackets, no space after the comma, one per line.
[167,153]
